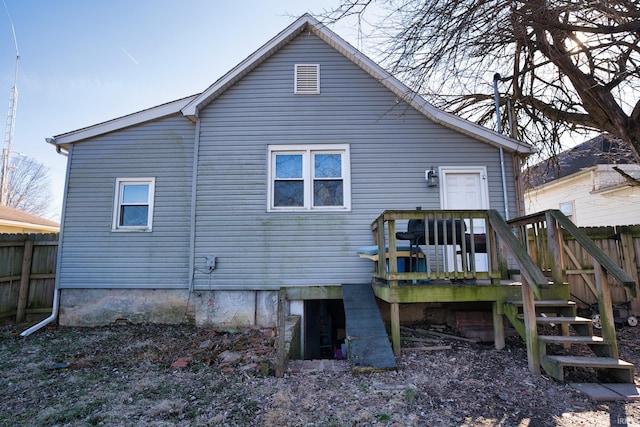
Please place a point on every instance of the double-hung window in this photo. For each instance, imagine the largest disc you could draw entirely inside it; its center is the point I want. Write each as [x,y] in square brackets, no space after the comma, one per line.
[309,177]
[133,206]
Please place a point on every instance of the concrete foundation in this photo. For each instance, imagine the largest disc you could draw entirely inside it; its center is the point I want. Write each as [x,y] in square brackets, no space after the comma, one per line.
[229,310]
[98,307]
[236,309]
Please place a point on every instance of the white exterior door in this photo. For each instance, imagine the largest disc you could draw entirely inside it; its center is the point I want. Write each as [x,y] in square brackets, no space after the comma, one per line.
[466,188]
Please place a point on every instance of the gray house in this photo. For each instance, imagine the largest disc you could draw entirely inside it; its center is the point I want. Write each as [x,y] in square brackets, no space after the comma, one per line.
[204,207]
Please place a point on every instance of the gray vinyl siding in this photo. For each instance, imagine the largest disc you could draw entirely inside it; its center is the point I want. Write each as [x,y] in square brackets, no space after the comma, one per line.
[391,146]
[93,256]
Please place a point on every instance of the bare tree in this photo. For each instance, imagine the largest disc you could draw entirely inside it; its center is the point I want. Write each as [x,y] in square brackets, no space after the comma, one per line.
[29,186]
[567,65]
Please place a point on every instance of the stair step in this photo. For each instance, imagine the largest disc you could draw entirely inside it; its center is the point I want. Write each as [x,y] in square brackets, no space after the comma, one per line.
[571,339]
[554,365]
[547,303]
[575,320]
[590,362]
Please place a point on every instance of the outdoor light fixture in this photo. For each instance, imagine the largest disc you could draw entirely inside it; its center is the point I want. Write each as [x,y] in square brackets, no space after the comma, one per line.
[432,178]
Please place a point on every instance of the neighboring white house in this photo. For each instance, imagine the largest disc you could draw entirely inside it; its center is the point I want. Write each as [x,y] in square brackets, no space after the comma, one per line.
[596,183]
[17,221]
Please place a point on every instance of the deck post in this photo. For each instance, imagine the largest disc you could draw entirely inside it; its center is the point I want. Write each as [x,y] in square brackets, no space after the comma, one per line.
[395,328]
[498,325]
[281,354]
[554,240]
[605,308]
[494,259]
[531,327]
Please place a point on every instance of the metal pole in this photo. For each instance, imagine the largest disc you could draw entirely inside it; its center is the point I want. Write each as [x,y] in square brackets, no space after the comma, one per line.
[11,122]
[496,98]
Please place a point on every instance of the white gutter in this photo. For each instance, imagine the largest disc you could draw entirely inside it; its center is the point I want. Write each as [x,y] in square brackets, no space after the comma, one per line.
[194,182]
[56,291]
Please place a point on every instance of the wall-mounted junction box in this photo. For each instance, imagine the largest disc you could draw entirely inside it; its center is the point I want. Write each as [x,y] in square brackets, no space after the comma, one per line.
[211,262]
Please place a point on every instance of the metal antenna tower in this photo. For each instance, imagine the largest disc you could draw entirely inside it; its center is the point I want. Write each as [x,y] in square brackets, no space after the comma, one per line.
[11,122]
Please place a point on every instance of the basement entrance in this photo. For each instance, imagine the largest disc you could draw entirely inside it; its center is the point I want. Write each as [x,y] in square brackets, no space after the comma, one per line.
[324,329]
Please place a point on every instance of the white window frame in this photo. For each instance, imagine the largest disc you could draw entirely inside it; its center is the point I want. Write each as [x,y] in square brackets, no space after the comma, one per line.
[296,71]
[307,152]
[568,209]
[117,204]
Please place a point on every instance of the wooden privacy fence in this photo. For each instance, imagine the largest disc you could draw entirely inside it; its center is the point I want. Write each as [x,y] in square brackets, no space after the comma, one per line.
[27,276]
[622,245]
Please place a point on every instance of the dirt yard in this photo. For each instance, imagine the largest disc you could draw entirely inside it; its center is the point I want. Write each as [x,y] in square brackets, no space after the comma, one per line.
[123,376]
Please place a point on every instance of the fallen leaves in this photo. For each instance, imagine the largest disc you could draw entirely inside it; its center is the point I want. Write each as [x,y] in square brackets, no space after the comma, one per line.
[250,351]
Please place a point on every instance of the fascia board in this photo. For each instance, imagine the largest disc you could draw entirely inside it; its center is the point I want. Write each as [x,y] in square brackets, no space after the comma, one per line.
[190,106]
[153,113]
[29,225]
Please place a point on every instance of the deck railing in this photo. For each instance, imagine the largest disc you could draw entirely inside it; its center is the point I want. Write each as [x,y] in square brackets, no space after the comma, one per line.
[452,245]
[543,234]
[452,240]
[456,245]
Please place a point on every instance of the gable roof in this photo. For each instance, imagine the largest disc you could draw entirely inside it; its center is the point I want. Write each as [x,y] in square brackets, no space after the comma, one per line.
[604,149]
[190,106]
[149,114]
[11,217]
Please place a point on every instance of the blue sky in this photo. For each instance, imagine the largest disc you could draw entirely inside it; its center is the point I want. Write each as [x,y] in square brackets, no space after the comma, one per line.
[84,62]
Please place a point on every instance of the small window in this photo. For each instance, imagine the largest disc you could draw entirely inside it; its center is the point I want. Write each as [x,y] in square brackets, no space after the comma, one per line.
[313,177]
[307,79]
[133,207]
[567,209]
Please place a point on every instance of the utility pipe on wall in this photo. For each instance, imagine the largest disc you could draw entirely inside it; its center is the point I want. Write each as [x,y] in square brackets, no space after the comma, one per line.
[496,97]
[56,291]
[192,212]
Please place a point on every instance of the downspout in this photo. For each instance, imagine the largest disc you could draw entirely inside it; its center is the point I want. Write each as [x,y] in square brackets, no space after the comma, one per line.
[59,150]
[496,97]
[56,290]
[194,182]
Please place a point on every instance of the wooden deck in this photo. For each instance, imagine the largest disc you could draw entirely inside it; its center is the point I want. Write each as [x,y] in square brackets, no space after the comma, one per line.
[464,256]
[447,292]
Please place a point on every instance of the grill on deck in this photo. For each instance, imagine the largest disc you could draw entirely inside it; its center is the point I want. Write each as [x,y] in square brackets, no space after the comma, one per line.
[441,232]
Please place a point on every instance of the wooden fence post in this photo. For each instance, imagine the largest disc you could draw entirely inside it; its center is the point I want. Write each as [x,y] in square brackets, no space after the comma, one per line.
[25,278]
[630,259]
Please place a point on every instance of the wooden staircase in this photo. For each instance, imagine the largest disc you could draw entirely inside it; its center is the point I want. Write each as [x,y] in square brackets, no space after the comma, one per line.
[574,331]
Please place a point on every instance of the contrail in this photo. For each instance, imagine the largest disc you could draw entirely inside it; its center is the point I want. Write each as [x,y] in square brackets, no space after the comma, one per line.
[129,55]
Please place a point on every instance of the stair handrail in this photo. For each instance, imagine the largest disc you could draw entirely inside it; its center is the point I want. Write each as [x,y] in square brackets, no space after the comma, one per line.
[528,268]
[592,249]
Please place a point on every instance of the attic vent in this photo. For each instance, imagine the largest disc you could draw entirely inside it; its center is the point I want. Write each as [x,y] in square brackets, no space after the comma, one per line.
[307,79]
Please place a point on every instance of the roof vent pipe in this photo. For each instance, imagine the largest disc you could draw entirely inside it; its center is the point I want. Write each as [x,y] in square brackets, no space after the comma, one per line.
[496,97]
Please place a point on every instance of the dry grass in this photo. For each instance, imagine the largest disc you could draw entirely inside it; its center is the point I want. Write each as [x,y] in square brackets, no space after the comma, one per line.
[122,375]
